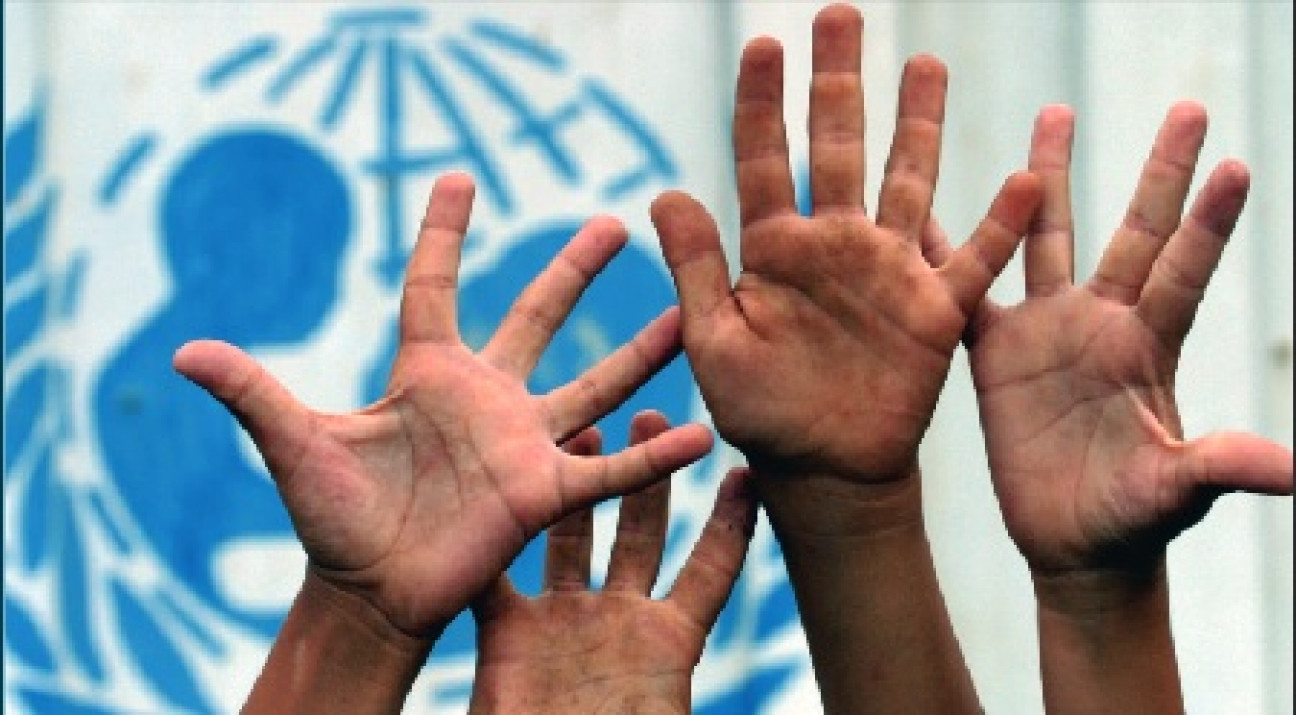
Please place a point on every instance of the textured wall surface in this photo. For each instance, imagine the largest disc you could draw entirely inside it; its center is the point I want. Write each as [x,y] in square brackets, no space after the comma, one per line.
[254,171]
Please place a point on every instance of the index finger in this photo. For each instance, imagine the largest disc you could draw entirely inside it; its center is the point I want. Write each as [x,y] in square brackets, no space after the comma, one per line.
[707,578]
[1155,211]
[760,136]
[1049,251]
[905,201]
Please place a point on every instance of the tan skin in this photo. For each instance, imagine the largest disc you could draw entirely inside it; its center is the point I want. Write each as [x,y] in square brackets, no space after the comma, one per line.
[616,650]
[824,361]
[1076,387]
[409,508]
[837,292]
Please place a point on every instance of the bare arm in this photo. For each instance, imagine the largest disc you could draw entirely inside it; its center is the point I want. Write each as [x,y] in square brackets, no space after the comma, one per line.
[1076,388]
[572,649]
[409,508]
[823,363]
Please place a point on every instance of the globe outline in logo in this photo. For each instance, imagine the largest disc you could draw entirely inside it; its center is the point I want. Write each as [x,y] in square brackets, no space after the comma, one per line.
[173,628]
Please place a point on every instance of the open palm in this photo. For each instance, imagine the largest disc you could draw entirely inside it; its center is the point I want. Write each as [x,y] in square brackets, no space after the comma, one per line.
[383,498]
[1076,383]
[571,649]
[835,321]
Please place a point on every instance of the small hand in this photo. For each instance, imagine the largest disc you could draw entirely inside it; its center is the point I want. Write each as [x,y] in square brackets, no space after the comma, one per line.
[418,502]
[1076,383]
[573,650]
[829,353]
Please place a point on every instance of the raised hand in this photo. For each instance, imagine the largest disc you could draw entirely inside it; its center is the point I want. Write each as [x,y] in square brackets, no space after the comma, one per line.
[575,650]
[822,364]
[829,352]
[1076,384]
[410,507]
[1077,396]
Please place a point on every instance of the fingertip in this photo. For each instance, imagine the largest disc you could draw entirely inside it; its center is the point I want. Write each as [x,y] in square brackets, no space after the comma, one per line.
[735,508]
[664,335]
[455,188]
[1239,461]
[668,202]
[762,48]
[457,181]
[1019,199]
[608,226]
[1187,111]
[677,213]
[704,436]
[671,316]
[1029,187]
[838,15]
[586,443]
[188,355]
[1025,181]
[201,360]
[927,66]
[1234,173]
[760,74]
[1055,121]
[695,440]
[449,204]
[647,424]
[736,485]
[1055,113]
[597,242]
[1219,206]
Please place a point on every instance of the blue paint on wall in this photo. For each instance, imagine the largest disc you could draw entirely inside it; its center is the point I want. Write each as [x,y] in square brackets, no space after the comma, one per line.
[244,58]
[253,226]
[252,223]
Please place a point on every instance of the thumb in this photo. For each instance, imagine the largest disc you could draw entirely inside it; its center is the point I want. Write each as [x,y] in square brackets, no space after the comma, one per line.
[970,269]
[690,242]
[1238,462]
[275,420]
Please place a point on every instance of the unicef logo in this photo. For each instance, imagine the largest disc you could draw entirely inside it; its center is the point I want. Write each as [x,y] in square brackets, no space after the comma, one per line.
[148,561]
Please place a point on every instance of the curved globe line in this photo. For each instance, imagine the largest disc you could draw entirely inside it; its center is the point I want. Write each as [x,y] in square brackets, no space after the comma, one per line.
[390,17]
[299,67]
[506,39]
[345,86]
[657,159]
[23,238]
[242,59]
[130,159]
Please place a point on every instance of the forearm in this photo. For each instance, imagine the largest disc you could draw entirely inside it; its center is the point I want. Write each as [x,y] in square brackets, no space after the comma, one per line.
[332,655]
[1106,644]
[879,633]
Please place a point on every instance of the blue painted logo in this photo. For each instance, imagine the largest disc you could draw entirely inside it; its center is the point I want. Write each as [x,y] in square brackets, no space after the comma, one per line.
[149,561]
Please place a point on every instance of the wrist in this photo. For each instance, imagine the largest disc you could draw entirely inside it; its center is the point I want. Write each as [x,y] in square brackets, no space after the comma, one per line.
[820,507]
[531,687]
[1091,593]
[866,587]
[336,653]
